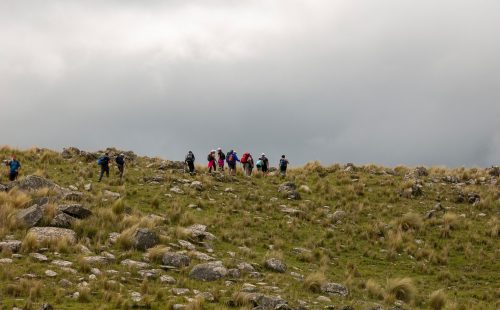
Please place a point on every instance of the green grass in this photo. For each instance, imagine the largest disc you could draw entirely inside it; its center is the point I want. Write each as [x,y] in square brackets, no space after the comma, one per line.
[383,236]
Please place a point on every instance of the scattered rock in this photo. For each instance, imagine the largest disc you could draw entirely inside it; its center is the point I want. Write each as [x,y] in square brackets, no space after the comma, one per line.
[95,260]
[30,216]
[111,195]
[168,164]
[177,260]
[135,296]
[51,234]
[10,245]
[269,302]
[473,198]
[197,185]
[323,299]
[144,239]
[248,288]
[187,245]
[208,271]
[113,237]
[6,260]
[134,264]
[276,265]
[87,187]
[61,263]
[201,256]
[149,273]
[33,183]
[179,291]
[65,283]
[177,190]
[245,267]
[75,210]
[72,195]
[289,190]
[39,257]
[62,220]
[337,216]
[50,273]
[198,232]
[167,279]
[494,171]
[334,289]
[305,189]
[420,172]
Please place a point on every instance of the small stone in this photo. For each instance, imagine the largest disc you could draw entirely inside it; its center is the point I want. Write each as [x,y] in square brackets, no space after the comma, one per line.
[50,273]
[276,265]
[248,288]
[135,296]
[95,271]
[88,187]
[6,260]
[39,257]
[61,263]
[135,264]
[167,279]
[65,283]
[180,291]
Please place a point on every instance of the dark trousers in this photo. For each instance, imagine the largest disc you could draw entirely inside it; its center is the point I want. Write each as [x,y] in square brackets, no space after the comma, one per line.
[13,175]
[190,166]
[104,169]
[121,168]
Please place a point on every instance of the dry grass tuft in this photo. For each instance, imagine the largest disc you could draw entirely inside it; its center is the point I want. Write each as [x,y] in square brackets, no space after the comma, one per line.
[314,281]
[437,300]
[156,253]
[410,221]
[374,289]
[400,289]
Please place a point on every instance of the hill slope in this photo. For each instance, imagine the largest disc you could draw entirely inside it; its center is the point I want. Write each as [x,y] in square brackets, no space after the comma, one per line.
[341,236]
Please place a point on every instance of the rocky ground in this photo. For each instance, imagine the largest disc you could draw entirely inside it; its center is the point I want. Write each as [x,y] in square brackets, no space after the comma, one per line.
[338,237]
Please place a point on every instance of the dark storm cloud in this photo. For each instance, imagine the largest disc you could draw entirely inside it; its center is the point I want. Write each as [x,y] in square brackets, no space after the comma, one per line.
[389,82]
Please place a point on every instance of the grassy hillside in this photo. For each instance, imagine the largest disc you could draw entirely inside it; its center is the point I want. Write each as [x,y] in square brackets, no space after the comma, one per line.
[402,237]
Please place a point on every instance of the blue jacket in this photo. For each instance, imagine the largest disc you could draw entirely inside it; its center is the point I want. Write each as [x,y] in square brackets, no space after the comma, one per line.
[14,165]
[235,157]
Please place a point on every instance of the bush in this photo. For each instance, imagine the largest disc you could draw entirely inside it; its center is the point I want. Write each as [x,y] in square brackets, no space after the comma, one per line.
[401,289]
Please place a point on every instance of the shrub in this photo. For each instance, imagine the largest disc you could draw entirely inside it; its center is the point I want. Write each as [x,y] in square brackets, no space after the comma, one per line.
[374,289]
[314,281]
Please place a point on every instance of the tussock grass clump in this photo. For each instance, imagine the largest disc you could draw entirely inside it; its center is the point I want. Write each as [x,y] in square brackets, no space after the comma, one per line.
[314,281]
[374,289]
[437,300]
[400,289]
[450,222]
[242,299]
[410,221]
[156,253]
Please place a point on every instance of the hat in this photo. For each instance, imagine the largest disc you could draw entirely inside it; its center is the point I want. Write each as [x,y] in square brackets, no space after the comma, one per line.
[219,149]
[121,154]
[213,151]
[262,154]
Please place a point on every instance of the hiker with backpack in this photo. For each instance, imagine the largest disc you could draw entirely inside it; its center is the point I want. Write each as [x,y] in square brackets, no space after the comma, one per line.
[103,161]
[283,165]
[190,161]
[221,160]
[231,159]
[14,166]
[120,163]
[248,163]
[264,163]
[211,162]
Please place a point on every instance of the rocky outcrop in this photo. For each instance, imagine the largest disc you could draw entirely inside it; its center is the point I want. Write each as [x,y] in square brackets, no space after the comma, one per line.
[75,210]
[289,190]
[208,271]
[51,234]
[334,289]
[30,216]
[62,220]
[33,183]
[275,265]
[10,245]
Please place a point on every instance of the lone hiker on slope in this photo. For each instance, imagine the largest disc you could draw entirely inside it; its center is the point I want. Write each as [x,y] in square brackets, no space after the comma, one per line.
[120,163]
[231,159]
[14,166]
[283,165]
[190,161]
[103,161]
[221,160]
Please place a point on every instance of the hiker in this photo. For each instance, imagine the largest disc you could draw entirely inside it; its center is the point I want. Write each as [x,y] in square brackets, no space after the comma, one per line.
[248,163]
[265,163]
[103,161]
[222,159]
[120,163]
[190,161]
[14,166]
[283,165]
[211,162]
[231,159]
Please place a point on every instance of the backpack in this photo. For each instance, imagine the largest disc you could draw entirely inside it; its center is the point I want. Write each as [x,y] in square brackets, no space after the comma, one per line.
[209,157]
[244,158]
[222,156]
[190,157]
[259,163]
[283,163]
[119,160]
[230,159]
[100,161]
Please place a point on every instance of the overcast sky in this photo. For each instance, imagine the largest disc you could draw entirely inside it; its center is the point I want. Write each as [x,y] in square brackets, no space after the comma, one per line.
[363,81]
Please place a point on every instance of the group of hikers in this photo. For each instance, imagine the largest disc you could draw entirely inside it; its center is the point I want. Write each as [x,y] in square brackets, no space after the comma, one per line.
[217,160]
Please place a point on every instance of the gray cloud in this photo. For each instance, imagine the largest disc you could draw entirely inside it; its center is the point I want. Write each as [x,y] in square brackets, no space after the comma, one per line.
[361,81]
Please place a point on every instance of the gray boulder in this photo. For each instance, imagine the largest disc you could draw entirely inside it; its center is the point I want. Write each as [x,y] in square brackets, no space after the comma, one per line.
[10,245]
[62,220]
[208,271]
[3,188]
[34,183]
[48,234]
[289,190]
[144,239]
[75,210]
[72,195]
[276,265]
[334,289]
[177,260]
[30,216]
